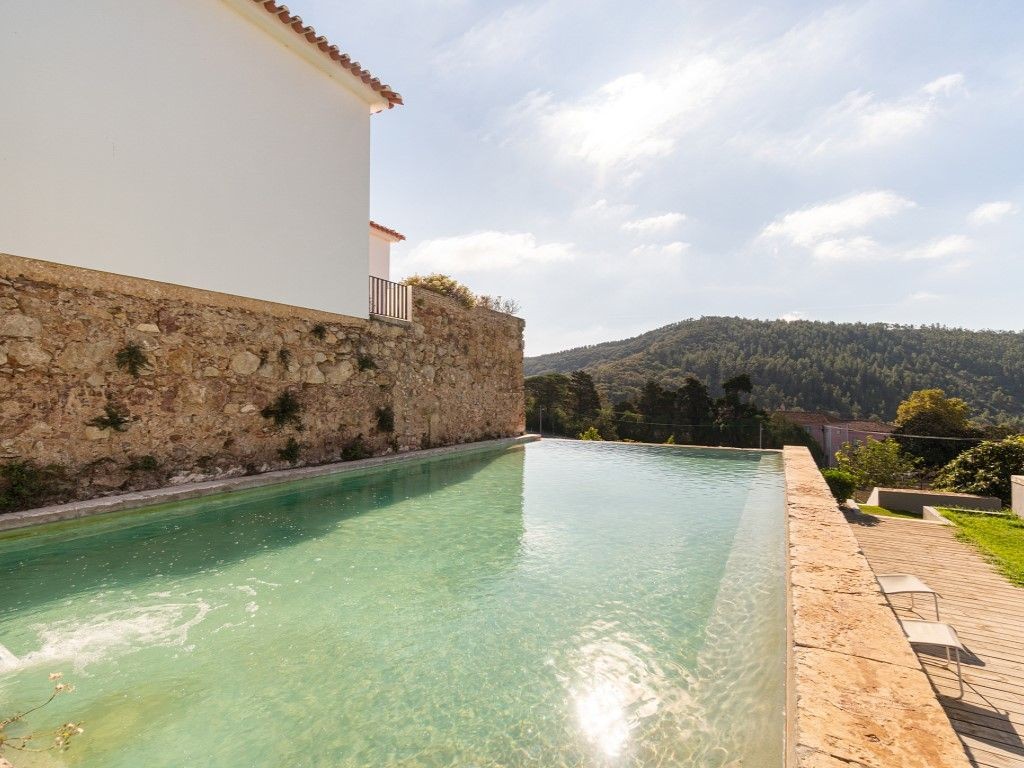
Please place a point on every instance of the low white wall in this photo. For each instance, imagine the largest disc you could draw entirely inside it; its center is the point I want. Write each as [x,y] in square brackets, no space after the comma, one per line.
[1017,488]
[180,142]
[912,500]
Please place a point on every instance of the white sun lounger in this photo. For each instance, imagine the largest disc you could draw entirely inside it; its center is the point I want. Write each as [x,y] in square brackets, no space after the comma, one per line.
[905,584]
[938,634]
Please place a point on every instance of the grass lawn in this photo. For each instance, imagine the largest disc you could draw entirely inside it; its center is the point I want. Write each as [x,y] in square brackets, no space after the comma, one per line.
[999,537]
[869,509]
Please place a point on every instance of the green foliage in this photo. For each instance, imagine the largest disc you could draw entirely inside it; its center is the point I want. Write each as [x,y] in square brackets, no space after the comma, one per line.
[999,537]
[365,362]
[386,419]
[590,433]
[25,484]
[444,285]
[286,409]
[930,413]
[143,464]
[871,509]
[114,417]
[356,449]
[290,452]
[985,469]
[319,331]
[671,440]
[568,405]
[842,484]
[878,463]
[132,358]
[854,369]
[779,432]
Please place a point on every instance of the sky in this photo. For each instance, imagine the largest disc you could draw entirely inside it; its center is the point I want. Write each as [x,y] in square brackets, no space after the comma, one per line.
[615,167]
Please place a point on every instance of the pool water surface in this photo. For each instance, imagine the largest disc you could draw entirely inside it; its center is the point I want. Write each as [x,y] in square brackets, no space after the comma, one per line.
[559,604]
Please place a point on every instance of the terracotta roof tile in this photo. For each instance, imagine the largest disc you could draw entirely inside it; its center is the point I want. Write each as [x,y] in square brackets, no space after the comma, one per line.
[343,60]
[386,231]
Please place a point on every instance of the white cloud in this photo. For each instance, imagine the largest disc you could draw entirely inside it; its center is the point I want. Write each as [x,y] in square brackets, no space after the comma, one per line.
[793,316]
[860,248]
[923,296]
[951,245]
[635,116]
[677,248]
[990,213]
[817,225]
[506,38]
[860,121]
[484,252]
[649,225]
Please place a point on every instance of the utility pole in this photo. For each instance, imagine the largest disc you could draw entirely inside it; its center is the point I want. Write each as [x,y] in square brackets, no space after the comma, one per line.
[540,419]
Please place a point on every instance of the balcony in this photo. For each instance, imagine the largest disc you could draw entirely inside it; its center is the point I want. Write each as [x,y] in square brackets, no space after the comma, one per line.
[391,300]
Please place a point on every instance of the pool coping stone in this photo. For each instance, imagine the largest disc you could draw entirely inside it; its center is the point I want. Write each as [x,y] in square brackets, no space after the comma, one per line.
[856,692]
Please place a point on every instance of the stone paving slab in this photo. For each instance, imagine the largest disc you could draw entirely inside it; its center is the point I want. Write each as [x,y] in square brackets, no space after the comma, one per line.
[857,693]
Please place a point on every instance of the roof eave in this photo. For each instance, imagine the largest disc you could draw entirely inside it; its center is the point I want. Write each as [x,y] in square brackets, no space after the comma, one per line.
[289,30]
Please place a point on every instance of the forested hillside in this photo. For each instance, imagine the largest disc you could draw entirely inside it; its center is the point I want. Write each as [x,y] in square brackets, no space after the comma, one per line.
[852,369]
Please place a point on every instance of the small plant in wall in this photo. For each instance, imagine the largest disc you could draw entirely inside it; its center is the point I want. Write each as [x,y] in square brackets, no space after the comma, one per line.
[319,331]
[364,362]
[146,463]
[132,358]
[357,449]
[285,356]
[386,419]
[286,409]
[114,417]
[290,452]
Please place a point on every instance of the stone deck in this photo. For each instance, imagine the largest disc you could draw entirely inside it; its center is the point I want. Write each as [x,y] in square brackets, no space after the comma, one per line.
[988,613]
[857,694]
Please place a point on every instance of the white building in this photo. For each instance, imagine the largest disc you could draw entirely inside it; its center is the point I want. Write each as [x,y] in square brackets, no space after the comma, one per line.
[219,144]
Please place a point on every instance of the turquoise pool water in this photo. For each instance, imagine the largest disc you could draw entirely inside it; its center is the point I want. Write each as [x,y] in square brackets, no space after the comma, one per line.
[562,604]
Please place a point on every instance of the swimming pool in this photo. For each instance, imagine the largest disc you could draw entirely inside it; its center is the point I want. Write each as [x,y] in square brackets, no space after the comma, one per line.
[562,603]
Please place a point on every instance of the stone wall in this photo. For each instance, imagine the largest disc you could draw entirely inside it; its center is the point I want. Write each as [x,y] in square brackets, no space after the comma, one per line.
[215,362]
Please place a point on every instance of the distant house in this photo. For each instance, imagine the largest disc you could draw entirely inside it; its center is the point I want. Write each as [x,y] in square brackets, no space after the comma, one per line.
[218,144]
[832,433]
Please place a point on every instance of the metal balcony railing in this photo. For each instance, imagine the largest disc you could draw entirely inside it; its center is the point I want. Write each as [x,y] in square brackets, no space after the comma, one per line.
[388,299]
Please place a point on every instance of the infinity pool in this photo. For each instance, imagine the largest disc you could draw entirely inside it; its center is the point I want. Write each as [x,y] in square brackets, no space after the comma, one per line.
[562,604]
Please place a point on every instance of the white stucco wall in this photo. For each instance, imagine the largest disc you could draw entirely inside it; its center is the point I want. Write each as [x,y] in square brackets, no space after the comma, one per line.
[178,141]
[380,255]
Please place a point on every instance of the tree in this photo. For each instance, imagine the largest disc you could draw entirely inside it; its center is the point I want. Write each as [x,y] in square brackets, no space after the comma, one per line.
[985,469]
[930,413]
[584,393]
[877,463]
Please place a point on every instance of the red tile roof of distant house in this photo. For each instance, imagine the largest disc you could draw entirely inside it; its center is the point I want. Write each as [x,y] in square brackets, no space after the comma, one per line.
[861,425]
[397,236]
[330,51]
[805,418]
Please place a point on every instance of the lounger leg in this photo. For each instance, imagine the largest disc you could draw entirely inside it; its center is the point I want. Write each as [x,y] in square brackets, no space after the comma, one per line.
[959,674]
[911,601]
[936,599]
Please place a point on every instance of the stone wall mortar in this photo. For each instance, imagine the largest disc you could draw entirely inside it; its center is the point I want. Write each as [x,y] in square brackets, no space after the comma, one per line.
[452,375]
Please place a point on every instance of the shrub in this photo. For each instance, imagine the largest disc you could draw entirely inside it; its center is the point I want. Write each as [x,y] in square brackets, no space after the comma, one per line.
[671,440]
[364,362]
[290,452]
[132,358]
[24,484]
[842,484]
[356,450]
[286,409]
[590,433]
[444,285]
[114,417]
[143,464]
[877,462]
[319,331]
[498,304]
[386,419]
[985,469]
